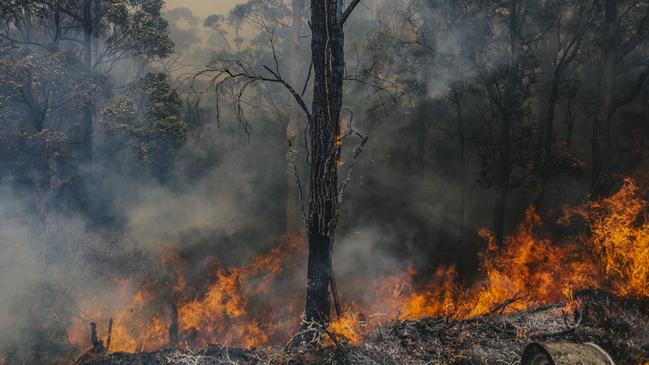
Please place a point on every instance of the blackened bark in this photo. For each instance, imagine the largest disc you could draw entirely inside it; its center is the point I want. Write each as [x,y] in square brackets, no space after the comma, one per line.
[327,43]
[110,334]
[97,344]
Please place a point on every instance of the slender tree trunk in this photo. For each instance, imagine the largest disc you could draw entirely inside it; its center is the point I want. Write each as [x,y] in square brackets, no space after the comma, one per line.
[327,43]
[36,112]
[173,325]
[501,205]
[460,226]
[420,136]
[456,99]
[546,133]
[510,112]
[428,26]
[88,108]
[602,116]
[292,126]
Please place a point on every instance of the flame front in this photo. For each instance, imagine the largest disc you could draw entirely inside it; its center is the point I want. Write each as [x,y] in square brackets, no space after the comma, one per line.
[527,270]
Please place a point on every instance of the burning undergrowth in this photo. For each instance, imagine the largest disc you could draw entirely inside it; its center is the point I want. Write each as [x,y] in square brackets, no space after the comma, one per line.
[247,306]
[223,307]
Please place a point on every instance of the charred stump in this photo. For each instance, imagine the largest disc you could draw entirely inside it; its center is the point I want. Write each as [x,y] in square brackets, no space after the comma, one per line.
[173,326]
[110,334]
[97,344]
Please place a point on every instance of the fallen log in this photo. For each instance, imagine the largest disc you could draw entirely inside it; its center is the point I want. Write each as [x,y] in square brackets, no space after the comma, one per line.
[565,353]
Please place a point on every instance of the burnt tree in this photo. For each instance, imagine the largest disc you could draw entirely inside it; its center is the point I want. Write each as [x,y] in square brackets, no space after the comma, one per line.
[327,42]
[324,142]
[510,111]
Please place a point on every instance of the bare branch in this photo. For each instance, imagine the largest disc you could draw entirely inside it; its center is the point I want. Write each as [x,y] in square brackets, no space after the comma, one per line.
[238,76]
[356,151]
[308,77]
[348,11]
[298,97]
[350,168]
[300,195]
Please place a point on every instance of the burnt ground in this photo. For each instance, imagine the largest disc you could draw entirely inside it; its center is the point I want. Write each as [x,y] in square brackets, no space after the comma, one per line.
[619,326]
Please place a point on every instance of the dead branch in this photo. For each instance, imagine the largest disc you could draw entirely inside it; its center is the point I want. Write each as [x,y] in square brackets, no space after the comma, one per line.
[356,151]
[500,308]
[300,196]
[348,11]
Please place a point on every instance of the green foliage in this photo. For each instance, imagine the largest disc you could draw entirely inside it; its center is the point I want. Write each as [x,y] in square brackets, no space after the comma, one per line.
[137,27]
[258,12]
[148,119]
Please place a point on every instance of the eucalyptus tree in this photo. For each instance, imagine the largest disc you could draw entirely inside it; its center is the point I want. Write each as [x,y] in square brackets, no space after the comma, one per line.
[101,33]
[323,125]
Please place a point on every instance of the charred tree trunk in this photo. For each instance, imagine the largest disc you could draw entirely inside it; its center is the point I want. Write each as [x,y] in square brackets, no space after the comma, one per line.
[97,344]
[110,334]
[327,43]
[510,113]
[603,113]
[173,325]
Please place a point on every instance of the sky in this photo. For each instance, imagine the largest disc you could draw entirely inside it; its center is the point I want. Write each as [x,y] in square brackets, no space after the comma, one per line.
[204,7]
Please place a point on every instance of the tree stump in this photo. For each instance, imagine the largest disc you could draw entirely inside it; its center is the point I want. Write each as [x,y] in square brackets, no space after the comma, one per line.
[565,353]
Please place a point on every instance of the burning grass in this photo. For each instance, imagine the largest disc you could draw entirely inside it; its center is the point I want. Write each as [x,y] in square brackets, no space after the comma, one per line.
[527,272]
[620,326]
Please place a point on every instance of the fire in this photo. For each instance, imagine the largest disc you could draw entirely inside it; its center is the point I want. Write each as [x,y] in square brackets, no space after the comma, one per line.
[530,270]
[349,326]
[620,240]
[527,270]
[224,313]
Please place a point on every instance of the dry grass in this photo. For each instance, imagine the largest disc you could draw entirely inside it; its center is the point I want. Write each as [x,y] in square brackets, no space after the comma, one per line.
[620,326]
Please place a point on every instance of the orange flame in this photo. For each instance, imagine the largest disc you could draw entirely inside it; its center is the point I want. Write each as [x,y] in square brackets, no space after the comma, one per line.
[620,240]
[527,270]
[224,313]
